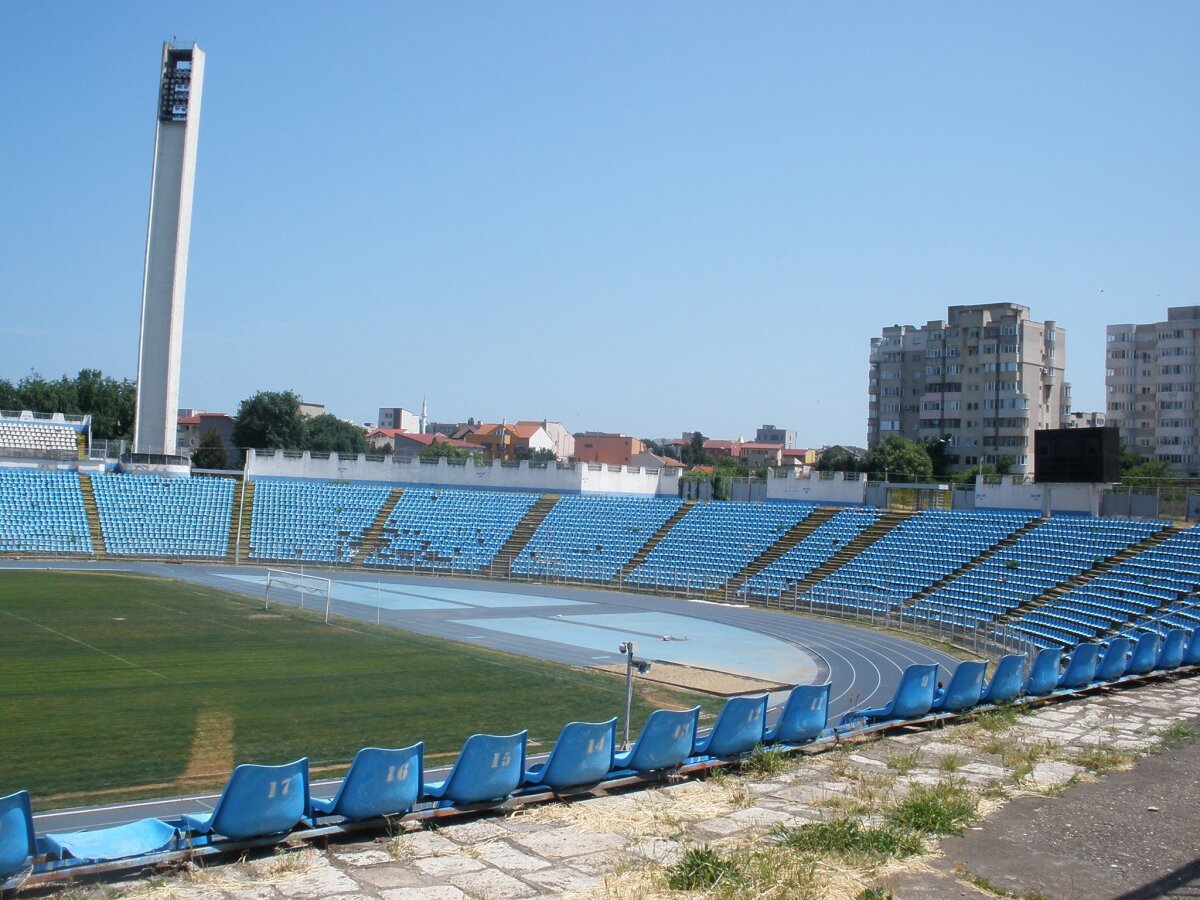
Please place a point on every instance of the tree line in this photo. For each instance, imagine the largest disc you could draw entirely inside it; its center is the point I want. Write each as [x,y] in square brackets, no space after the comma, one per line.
[108,401]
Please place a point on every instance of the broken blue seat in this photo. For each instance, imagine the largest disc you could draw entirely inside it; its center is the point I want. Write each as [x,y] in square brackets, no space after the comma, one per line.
[380,783]
[118,842]
[738,729]
[257,801]
[488,768]
[913,697]
[582,755]
[804,716]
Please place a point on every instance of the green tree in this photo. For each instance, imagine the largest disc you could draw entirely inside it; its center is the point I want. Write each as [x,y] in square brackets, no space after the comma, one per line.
[898,456]
[837,461]
[938,455]
[444,449]
[541,455]
[211,452]
[328,434]
[109,402]
[270,420]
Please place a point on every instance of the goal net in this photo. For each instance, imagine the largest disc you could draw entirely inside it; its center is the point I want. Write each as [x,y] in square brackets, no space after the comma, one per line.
[294,587]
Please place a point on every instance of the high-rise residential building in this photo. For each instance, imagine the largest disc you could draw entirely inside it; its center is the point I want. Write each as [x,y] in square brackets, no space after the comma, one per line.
[983,381]
[1151,385]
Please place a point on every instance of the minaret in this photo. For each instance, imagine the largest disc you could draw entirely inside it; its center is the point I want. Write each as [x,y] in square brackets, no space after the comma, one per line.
[424,415]
[164,278]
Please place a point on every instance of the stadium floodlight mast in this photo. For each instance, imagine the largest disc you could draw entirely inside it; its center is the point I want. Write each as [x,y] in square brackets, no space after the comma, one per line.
[628,648]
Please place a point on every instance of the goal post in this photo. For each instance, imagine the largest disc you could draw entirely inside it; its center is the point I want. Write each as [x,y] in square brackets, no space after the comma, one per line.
[300,582]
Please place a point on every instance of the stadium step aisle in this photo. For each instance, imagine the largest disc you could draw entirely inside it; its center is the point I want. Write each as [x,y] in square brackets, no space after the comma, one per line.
[525,530]
[654,540]
[373,538]
[800,532]
[93,515]
[880,528]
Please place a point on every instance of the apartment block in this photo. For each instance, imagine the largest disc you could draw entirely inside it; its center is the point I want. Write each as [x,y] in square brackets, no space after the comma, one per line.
[1151,387]
[983,380]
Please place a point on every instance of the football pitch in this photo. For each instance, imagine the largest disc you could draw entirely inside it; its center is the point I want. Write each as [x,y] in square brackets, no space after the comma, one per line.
[120,686]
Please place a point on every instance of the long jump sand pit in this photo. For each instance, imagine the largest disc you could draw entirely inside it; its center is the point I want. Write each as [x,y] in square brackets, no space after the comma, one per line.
[703,681]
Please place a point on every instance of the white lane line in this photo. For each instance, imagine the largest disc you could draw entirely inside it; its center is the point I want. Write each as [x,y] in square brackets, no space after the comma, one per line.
[84,644]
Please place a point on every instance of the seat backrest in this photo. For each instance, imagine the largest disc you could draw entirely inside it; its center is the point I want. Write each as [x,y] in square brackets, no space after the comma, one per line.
[805,714]
[1044,673]
[1115,660]
[739,727]
[381,783]
[966,686]
[1173,646]
[18,843]
[1006,679]
[914,695]
[583,754]
[1081,667]
[666,740]
[1191,656]
[489,767]
[262,800]
[1145,654]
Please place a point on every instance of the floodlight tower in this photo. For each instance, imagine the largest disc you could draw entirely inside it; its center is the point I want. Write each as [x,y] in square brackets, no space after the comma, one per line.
[167,234]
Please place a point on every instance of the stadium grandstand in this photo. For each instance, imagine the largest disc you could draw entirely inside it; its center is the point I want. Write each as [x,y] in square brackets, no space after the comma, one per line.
[1091,601]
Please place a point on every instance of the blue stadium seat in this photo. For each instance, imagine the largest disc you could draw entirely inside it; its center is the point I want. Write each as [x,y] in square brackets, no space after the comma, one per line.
[1044,672]
[1005,685]
[964,690]
[1170,656]
[1081,667]
[738,729]
[380,783]
[913,697]
[582,755]
[488,768]
[18,844]
[804,717]
[257,801]
[118,842]
[1115,660]
[1191,656]
[664,742]
[1145,654]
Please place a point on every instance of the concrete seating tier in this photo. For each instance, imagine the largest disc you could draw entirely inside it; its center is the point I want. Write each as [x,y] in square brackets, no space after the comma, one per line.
[715,541]
[312,521]
[914,555]
[147,515]
[1048,555]
[592,537]
[449,529]
[810,553]
[42,512]
[38,437]
[1128,593]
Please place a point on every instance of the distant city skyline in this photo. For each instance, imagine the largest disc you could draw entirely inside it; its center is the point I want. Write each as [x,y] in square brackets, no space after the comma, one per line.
[625,218]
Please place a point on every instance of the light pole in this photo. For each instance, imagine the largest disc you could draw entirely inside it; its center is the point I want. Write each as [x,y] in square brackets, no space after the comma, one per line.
[628,648]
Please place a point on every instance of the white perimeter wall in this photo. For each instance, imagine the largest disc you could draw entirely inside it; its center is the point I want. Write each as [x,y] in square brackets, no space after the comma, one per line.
[816,487]
[585,478]
[1043,498]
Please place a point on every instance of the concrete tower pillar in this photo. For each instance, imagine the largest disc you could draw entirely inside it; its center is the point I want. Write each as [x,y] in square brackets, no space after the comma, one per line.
[167,235]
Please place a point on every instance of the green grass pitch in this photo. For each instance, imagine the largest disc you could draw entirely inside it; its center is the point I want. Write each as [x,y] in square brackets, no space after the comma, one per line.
[117,686]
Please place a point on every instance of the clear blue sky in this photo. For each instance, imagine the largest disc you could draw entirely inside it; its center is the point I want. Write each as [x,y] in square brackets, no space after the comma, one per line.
[627,216]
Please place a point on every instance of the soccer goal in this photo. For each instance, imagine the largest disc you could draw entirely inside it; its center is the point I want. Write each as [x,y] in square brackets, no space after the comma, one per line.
[305,585]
